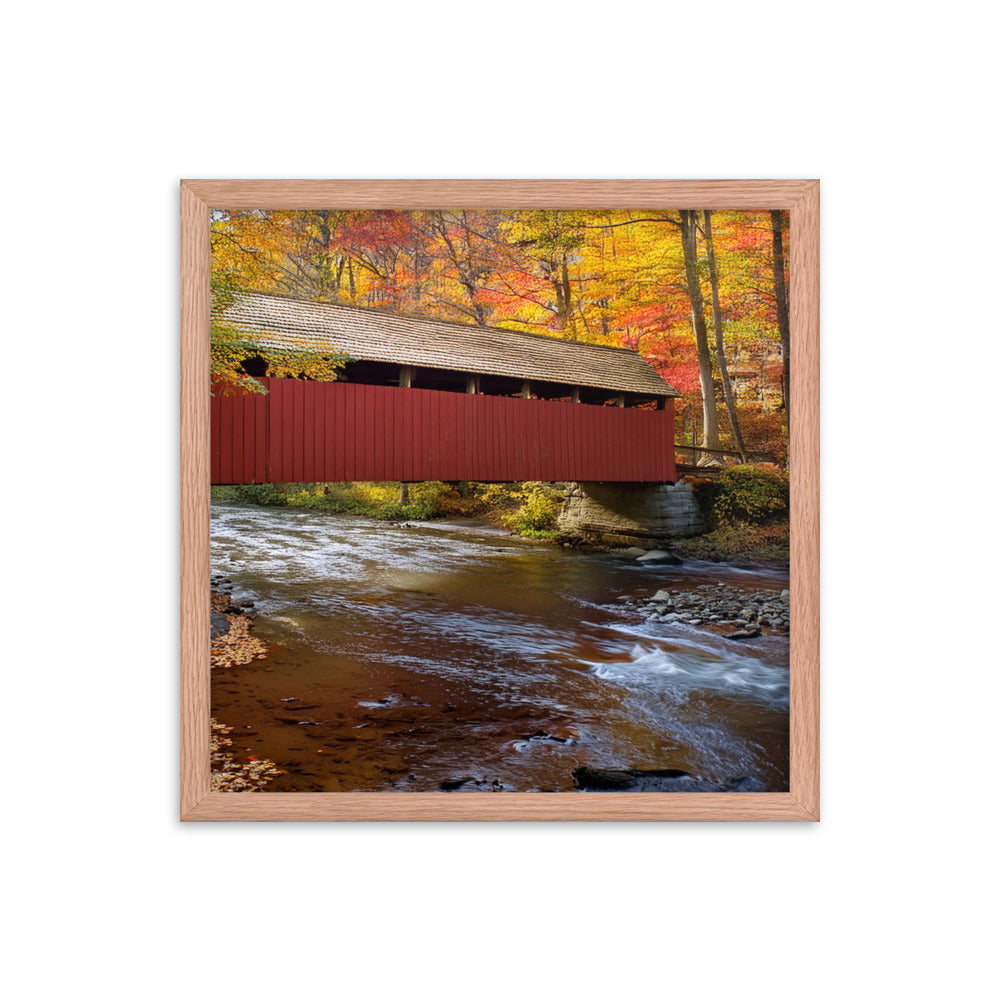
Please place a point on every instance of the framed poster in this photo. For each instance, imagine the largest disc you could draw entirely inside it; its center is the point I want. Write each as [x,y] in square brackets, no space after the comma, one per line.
[493,489]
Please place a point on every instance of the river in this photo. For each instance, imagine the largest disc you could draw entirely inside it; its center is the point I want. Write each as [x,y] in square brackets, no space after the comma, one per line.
[404,657]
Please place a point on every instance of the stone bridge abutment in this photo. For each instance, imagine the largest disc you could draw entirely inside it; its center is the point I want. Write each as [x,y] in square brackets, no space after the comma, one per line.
[630,513]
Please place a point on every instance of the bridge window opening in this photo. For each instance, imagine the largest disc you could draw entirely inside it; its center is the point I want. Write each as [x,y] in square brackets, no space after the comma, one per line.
[645,402]
[371,373]
[256,367]
[555,391]
[446,380]
[499,385]
[597,397]
[439,378]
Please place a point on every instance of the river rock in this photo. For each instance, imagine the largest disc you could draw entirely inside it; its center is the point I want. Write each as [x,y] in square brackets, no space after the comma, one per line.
[743,784]
[634,779]
[219,624]
[659,556]
[661,596]
[453,784]
[602,778]
[751,632]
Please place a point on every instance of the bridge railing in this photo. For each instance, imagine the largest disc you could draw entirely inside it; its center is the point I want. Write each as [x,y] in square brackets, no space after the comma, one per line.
[696,451]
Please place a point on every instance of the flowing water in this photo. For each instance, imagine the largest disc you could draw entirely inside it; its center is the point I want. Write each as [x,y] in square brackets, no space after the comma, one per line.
[402,657]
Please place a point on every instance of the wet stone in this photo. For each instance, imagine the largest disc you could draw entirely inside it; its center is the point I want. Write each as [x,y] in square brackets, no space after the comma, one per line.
[219,624]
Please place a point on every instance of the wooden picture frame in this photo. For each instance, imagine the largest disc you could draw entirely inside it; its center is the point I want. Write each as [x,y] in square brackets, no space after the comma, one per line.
[800,198]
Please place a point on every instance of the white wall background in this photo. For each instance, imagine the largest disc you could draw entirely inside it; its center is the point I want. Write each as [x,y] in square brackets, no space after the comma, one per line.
[107,105]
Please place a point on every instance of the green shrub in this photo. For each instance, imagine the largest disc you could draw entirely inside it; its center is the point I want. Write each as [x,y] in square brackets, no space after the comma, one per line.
[261,493]
[744,495]
[529,509]
[538,506]
[759,544]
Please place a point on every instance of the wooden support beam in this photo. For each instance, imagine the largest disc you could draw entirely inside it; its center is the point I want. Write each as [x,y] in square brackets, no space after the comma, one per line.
[472,385]
[405,377]
[620,400]
[526,390]
[575,394]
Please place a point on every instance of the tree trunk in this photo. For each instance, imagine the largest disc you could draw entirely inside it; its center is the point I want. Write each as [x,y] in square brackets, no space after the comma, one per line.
[404,493]
[720,353]
[324,265]
[689,240]
[567,299]
[781,301]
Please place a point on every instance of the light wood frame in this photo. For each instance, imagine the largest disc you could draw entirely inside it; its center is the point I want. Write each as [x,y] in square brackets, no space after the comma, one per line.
[800,198]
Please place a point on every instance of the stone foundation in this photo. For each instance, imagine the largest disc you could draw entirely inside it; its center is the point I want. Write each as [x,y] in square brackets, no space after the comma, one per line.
[630,513]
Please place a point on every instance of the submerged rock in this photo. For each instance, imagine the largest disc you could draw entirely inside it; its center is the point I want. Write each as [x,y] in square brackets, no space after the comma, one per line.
[635,779]
[743,784]
[615,780]
[453,784]
[659,556]
[595,777]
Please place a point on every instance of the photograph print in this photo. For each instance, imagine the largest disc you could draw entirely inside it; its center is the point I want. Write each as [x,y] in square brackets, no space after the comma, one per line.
[500,501]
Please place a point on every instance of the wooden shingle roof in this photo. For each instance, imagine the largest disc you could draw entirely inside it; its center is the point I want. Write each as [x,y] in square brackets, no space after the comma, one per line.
[374,335]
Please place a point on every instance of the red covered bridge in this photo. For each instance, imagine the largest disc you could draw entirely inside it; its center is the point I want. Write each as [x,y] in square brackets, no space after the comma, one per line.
[429,400]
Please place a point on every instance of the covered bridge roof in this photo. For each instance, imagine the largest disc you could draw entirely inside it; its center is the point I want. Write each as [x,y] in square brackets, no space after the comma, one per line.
[374,335]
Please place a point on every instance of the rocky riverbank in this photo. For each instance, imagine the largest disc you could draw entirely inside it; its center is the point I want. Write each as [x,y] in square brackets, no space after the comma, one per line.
[734,612]
[232,645]
[746,547]
[231,622]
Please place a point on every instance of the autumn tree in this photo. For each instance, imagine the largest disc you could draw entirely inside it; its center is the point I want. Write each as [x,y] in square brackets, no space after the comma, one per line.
[232,347]
[720,351]
[634,279]
[551,240]
[781,302]
[294,253]
[689,239]
[462,248]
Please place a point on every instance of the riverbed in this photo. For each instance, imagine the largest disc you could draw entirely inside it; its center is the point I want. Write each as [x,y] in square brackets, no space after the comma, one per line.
[450,655]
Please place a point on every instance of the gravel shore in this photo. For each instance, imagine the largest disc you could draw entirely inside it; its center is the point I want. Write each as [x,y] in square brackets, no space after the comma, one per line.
[734,612]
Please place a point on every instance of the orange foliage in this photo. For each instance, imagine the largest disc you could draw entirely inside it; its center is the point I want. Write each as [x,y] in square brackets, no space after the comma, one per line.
[610,277]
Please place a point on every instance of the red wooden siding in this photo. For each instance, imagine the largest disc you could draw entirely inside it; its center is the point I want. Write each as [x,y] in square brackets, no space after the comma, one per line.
[340,431]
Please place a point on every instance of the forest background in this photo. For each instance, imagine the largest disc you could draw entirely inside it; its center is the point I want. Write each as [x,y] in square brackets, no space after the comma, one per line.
[701,295]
